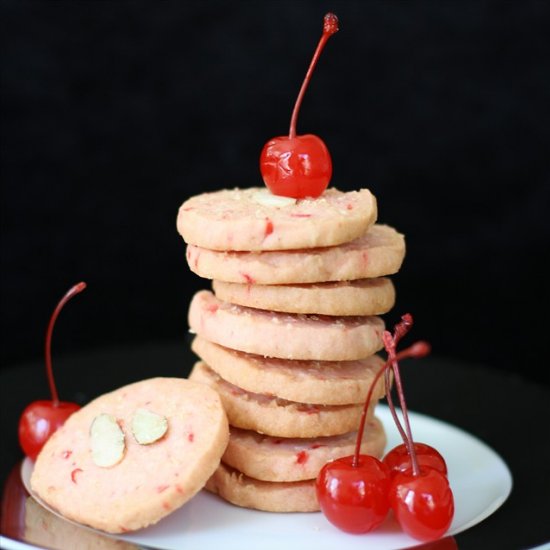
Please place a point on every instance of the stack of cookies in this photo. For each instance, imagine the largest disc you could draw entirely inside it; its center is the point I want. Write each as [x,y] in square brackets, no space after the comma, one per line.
[289,334]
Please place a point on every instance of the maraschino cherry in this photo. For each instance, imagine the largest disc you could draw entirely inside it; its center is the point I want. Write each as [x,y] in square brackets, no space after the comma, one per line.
[42,418]
[299,166]
[398,459]
[353,491]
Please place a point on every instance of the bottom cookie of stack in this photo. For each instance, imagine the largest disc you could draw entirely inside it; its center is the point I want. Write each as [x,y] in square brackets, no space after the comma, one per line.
[244,491]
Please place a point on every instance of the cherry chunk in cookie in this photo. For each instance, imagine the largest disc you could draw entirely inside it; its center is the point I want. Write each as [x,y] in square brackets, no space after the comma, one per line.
[133,456]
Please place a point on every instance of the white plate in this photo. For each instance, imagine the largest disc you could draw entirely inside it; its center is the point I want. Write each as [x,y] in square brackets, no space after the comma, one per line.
[479,478]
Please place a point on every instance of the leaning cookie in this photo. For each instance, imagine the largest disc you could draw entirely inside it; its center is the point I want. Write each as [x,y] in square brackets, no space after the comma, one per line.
[288,336]
[319,382]
[241,490]
[133,456]
[380,251]
[295,459]
[278,417]
[362,297]
[254,219]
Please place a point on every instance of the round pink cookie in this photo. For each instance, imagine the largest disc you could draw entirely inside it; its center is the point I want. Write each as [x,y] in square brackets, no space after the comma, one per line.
[150,481]
[361,297]
[274,416]
[295,459]
[247,492]
[378,252]
[288,336]
[253,219]
[320,382]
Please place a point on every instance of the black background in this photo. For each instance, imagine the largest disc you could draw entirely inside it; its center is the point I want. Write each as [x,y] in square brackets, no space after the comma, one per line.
[113,113]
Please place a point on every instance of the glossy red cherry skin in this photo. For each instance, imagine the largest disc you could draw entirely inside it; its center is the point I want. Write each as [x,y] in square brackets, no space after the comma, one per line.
[423,505]
[399,460]
[354,498]
[297,167]
[39,421]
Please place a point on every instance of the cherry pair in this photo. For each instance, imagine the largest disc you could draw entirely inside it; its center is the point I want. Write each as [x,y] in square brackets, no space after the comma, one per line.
[356,492]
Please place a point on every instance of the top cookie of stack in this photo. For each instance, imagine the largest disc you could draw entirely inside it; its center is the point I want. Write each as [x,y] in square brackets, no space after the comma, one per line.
[289,338]
[255,220]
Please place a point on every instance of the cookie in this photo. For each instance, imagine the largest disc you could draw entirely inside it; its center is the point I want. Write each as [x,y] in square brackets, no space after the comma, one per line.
[290,459]
[241,490]
[319,382]
[361,297]
[254,219]
[151,480]
[288,336]
[271,415]
[378,252]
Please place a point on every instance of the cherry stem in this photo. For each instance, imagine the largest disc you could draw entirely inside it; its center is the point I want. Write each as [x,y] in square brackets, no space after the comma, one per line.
[389,344]
[389,399]
[76,289]
[417,350]
[330,27]
[399,330]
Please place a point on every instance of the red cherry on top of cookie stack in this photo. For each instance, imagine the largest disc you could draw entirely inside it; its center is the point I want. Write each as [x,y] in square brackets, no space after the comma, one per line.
[290,333]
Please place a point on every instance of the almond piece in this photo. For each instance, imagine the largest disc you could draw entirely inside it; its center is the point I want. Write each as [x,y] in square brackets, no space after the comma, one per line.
[148,426]
[266,198]
[107,441]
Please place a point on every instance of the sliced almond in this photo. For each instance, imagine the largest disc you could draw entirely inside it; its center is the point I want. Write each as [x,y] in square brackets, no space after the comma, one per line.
[266,198]
[106,441]
[148,426]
